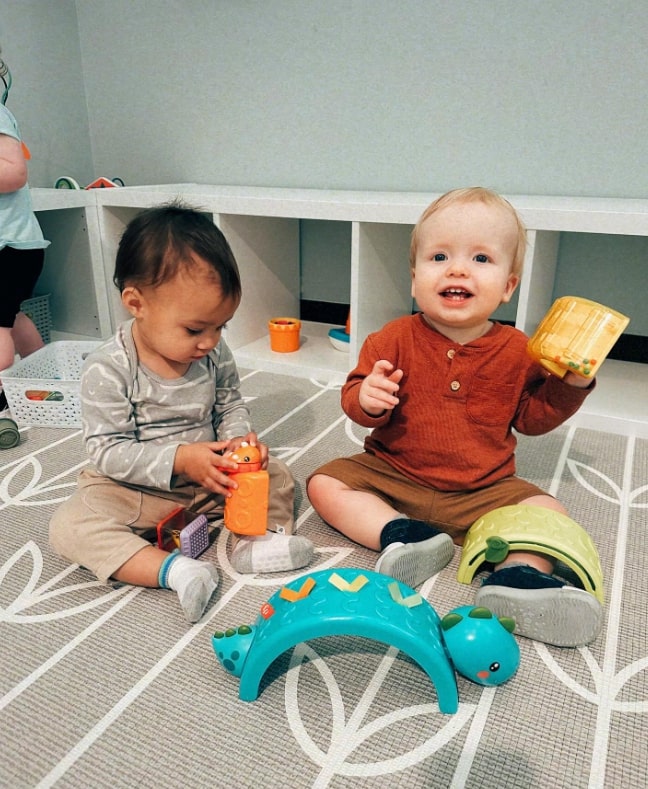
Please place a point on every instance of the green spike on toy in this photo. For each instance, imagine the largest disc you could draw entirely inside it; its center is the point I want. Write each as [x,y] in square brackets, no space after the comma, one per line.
[507,623]
[450,620]
[481,613]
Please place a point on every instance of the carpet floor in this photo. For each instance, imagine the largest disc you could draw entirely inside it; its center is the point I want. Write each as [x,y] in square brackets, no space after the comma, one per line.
[104,687]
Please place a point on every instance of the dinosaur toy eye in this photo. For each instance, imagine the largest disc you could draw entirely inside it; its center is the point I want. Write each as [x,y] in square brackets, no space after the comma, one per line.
[494,666]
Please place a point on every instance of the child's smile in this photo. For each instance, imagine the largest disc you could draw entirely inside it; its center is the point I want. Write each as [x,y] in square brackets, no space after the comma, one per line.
[456,294]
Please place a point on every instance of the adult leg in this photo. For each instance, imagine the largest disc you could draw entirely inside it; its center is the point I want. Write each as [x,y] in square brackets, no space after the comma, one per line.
[7,354]
[25,335]
[20,269]
[7,348]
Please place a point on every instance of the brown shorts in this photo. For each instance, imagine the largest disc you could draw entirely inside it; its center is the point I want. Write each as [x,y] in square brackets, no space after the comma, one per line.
[452,512]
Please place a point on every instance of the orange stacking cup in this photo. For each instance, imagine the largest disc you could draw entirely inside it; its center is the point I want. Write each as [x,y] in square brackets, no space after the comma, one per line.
[284,334]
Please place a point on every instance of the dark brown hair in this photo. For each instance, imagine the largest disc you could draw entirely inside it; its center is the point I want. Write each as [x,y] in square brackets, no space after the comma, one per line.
[161,241]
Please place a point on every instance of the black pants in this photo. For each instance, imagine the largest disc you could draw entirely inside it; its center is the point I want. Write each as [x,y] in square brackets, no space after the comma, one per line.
[19,272]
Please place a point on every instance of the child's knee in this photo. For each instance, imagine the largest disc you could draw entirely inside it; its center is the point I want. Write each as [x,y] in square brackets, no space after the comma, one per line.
[314,483]
[281,504]
[318,487]
[281,478]
[60,529]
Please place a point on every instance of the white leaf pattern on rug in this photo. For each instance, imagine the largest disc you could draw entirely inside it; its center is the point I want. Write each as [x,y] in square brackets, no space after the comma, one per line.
[348,734]
[32,595]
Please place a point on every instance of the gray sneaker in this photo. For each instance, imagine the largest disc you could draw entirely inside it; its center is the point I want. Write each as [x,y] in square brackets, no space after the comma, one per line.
[415,562]
[563,616]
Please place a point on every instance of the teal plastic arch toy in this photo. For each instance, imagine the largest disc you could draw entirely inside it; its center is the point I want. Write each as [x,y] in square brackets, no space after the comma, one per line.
[527,528]
[343,601]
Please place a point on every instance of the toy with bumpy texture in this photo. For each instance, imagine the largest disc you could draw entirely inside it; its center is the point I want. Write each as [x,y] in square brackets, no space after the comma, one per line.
[481,645]
[576,336]
[343,601]
[524,527]
[347,601]
[185,531]
[246,509]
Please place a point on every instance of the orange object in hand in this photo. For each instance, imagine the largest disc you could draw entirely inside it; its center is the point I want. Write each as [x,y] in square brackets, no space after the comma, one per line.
[246,510]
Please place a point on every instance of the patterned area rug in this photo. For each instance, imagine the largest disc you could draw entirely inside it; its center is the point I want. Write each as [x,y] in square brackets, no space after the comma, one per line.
[105,687]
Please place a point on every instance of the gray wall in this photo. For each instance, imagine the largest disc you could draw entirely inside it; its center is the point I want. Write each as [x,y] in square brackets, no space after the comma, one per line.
[526,97]
[40,42]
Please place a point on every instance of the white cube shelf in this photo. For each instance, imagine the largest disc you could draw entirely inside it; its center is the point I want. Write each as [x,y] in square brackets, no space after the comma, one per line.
[262,226]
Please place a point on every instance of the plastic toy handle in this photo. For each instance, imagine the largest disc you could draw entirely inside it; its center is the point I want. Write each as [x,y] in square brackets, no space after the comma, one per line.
[66,182]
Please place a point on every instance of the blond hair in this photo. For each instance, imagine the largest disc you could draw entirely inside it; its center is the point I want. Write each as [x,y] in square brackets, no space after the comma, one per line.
[473,194]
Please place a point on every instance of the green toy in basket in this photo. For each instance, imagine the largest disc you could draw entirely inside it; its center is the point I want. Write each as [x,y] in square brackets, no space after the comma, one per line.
[9,433]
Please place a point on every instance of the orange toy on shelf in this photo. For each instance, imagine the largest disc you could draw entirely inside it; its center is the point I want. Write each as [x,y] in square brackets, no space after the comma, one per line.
[284,334]
[575,336]
[246,510]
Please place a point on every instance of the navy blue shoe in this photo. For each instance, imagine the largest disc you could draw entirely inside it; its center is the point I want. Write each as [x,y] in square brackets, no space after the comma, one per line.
[522,576]
[543,608]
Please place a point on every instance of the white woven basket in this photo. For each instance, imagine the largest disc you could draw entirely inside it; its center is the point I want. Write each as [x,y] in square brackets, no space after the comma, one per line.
[38,309]
[43,389]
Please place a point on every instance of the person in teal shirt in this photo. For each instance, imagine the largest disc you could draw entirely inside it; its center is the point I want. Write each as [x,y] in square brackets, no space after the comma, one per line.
[22,246]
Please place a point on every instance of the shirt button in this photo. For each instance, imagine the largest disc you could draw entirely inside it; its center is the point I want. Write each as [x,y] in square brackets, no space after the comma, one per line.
[455,386]
[451,353]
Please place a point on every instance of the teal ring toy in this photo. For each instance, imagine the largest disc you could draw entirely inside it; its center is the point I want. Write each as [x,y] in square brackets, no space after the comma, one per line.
[9,433]
[342,601]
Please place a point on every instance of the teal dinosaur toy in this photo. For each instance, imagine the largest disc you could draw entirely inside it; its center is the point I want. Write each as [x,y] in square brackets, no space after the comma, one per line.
[349,601]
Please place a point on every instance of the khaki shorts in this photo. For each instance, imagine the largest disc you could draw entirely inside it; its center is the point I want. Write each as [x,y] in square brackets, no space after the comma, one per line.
[452,512]
[104,523]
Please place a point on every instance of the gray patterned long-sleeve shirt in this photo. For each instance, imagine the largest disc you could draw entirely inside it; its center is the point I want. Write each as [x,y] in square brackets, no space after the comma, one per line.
[134,420]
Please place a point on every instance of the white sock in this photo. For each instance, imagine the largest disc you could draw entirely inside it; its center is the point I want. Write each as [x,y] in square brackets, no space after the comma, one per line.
[194,582]
[271,553]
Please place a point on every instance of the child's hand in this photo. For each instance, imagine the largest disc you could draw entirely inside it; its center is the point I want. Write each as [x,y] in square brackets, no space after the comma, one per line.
[252,440]
[203,463]
[577,380]
[379,388]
